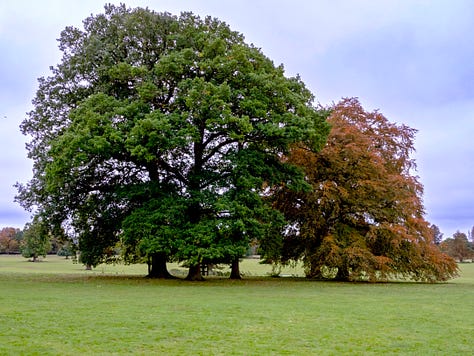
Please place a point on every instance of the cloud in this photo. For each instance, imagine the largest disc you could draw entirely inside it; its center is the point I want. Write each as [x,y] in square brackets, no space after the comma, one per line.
[13,218]
[410,57]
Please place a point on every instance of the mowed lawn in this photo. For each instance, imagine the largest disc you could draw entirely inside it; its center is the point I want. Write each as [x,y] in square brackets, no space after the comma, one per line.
[54,307]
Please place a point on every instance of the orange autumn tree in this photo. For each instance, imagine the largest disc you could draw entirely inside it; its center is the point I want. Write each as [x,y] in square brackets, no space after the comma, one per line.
[364,217]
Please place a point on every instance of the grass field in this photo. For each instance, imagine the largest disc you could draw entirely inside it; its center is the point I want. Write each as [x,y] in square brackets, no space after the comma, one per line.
[56,308]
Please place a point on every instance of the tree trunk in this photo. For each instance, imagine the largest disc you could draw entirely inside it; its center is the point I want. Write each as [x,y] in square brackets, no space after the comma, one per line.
[314,272]
[157,266]
[235,270]
[194,273]
[88,267]
[342,274]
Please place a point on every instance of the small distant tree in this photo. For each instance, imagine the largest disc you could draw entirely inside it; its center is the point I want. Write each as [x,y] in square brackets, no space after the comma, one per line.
[36,240]
[66,249]
[470,236]
[437,234]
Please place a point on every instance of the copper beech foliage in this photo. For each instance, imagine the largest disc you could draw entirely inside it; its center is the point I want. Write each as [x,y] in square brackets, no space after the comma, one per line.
[364,217]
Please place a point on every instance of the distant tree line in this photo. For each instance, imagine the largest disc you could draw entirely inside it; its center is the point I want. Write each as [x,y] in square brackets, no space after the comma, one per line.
[32,242]
[460,246]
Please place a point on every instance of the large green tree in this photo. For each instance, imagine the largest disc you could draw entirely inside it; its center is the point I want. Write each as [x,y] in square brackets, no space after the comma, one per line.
[163,132]
[364,217]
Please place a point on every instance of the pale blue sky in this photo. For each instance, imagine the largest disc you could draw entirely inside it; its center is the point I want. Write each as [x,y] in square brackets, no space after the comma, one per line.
[412,59]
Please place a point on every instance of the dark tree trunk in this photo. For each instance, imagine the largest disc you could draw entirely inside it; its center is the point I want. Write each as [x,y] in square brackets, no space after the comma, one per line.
[314,272]
[342,274]
[235,270]
[157,266]
[194,273]
[88,267]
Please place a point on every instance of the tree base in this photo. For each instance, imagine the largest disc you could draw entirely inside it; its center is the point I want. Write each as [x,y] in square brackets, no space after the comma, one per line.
[235,270]
[342,275]
[157,267]
[194,273]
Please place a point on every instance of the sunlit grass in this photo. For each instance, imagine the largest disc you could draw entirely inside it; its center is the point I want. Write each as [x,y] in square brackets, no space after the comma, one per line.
[57,308]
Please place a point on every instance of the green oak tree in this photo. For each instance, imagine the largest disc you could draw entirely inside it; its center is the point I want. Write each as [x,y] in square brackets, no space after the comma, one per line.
[163,133]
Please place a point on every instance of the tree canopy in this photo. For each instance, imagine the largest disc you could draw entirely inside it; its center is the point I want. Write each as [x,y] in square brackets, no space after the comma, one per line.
[36,240]
[364,217]
[163,133]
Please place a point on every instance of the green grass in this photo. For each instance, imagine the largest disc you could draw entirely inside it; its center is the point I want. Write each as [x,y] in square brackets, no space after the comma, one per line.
[56,308]
[59,265]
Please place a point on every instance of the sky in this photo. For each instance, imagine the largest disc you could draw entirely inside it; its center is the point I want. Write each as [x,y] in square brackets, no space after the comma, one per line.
[413,60]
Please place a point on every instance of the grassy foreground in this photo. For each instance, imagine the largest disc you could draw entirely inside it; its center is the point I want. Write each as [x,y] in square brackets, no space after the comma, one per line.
[56,308]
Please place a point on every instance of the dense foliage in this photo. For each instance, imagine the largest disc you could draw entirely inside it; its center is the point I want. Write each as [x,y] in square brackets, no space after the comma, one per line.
[168,138]
[162,133]
[36,240]
[364,216]
[10,239]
